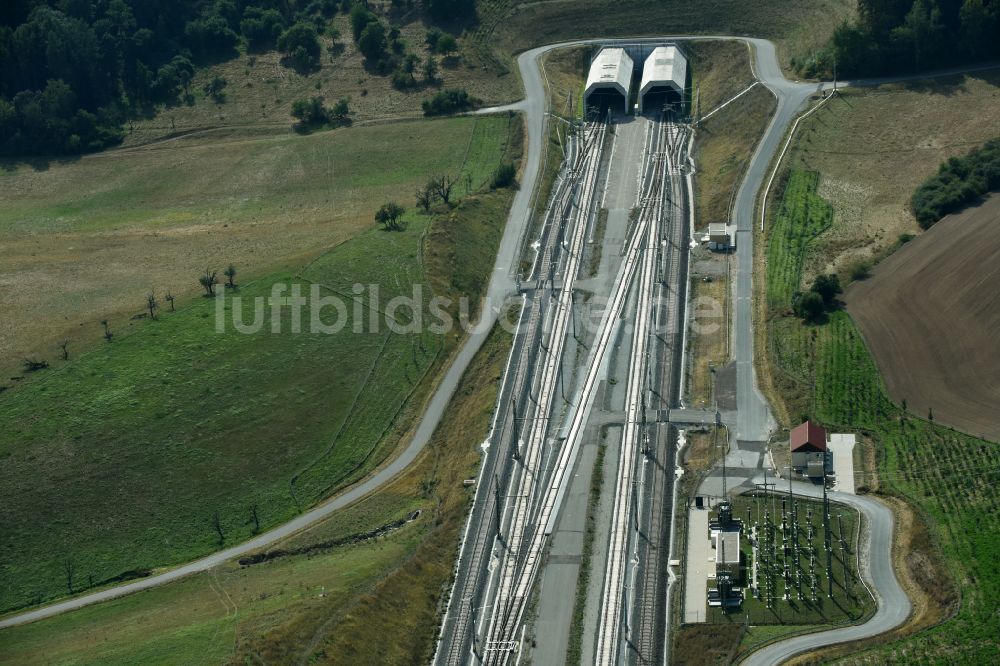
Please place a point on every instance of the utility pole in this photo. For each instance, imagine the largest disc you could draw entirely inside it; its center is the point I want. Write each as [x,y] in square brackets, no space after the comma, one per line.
[826,540]
[496,491]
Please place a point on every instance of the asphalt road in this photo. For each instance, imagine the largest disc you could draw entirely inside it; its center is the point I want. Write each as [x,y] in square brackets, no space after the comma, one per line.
[876,565]
[754,420]
[502,284]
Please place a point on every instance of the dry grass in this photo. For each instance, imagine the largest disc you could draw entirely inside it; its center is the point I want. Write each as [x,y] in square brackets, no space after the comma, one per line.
[706,644]
[873,147]
[725,142]
[797,26]
[709,339]
[95,235]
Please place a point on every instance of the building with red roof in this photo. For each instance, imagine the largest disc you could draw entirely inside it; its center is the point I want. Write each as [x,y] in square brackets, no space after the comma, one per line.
[808,447]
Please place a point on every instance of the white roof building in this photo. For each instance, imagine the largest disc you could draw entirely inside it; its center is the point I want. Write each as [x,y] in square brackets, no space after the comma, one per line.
[665,70]
[610,72]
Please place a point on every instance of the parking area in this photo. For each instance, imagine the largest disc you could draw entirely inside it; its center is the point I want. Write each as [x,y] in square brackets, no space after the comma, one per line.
[841,448]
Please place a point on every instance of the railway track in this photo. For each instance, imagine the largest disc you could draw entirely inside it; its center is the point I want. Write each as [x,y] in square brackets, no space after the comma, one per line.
[517,408]
[524,504]
[647,639]
[614,608]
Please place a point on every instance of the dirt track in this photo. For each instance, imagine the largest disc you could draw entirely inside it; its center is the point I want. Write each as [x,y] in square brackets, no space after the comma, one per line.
[930,314]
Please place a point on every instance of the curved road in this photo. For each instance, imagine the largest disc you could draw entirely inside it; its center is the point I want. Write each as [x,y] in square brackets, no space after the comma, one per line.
[754,416]
[893,606]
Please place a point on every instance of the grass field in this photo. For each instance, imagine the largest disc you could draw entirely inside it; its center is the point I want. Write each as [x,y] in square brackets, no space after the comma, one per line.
[802,216]
[96,234]
[724,142]
[300,607]
[184,423]
[826,372]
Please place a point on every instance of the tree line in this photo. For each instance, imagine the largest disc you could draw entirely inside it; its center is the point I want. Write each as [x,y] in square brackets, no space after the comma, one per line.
[75,70]
[958,182]
[898,36]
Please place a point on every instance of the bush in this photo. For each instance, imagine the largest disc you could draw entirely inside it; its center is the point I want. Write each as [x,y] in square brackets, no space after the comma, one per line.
[810,307]
[311,112]
[958,182]
[827,286]
[448,101]
[860,269]
[504,176]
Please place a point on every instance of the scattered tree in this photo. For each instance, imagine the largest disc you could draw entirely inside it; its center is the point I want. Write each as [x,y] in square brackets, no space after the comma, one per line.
[372,42]
[255,519]
[340,110]
[230,274]
[441,186]
[390,216]
[216,89]
[151,304]
[827,286]
[448,101]
[431,38]
[430,73]
[425,197]
[446,45]
[300,45]
[69,568]
[208,281]
[450,9]
[169,298]
[217,526]
[108,335]
[32,364]
[504,176]
[262,27]
[64,346]
[810,307]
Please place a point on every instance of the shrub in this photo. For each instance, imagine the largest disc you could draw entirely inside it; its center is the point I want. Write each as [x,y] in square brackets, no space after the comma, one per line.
[827,286]
[810,307]
[860,269]
[448,101]
[958,182]
[504,176]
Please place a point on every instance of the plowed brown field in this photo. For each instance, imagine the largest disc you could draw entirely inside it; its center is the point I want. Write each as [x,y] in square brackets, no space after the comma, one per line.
[930,314]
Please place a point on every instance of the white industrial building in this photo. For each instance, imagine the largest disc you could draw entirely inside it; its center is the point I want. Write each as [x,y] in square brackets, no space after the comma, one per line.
[610,79]
[664,77]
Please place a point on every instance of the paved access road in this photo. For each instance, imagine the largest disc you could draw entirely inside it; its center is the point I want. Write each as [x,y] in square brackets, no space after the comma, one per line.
[876,565]
[754,419]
